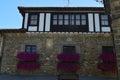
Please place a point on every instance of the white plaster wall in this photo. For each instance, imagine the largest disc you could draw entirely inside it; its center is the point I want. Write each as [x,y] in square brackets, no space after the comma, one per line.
[41,22]
[106,29]
[47,23]
[90,21]
[26,20]
[32,28]
[97,23]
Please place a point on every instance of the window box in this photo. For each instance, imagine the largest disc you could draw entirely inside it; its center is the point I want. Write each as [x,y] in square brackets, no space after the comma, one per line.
[109,57]
[28,65]
[72,67]
[107,67]
[68,57]
[24,56]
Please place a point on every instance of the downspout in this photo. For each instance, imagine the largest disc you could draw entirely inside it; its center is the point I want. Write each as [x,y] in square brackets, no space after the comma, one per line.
[2,49]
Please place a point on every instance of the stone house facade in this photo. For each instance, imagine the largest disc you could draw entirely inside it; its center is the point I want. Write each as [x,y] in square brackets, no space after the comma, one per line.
[51,32]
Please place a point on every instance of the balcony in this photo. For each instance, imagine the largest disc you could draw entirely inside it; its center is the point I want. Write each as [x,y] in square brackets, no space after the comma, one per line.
[108,62]
[68,62]
[23,56]
[27,61]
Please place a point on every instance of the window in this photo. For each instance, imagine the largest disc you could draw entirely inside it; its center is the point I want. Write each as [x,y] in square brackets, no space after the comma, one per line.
[60,19]
[107,49]
[104,20]
[66,19]
[83,19]
[69,19]
[72,19]
[33,19]
[77,19]
[30,48]
[54,19]
[68,49]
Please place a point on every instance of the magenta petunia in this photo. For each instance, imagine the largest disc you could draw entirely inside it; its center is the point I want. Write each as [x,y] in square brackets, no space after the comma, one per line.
[68,66]
[107,67]
[110,57]
[68,57]
[27,56]
[28,65]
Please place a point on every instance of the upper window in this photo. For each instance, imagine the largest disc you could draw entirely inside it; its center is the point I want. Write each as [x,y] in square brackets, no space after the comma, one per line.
[107,49]
[30,48]
[33,19]
[68,49]
[104,20]
[69,19]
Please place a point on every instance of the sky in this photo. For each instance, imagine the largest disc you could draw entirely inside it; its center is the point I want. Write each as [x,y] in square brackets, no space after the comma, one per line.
[10,18]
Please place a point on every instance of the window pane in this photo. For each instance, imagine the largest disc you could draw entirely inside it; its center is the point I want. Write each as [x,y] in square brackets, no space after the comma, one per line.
[68,49]
[54,22]
[33,16]
[28,49]
[83,16]
[60,22]
[60,16]
[72,22]
[83,22]
[104,22]
[33,48]
[104,17]
[107,49]
[33,22]
[77,22]
[77,16]
[54,16]
[65,22]
[66,16]
[71,16]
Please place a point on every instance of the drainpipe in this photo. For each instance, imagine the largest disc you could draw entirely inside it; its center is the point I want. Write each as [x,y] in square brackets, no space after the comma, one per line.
[2,49]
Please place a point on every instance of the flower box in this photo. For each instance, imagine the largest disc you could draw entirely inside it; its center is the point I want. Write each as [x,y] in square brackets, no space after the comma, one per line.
[110,57]
[28,65]
[68,66]
[68,57]
[27,56]
[107,67]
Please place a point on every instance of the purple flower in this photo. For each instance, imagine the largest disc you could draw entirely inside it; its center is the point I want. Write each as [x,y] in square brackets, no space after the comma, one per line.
[110,57]
[107,67]
[68,57]
[73,67]
[28,65]
[27,56]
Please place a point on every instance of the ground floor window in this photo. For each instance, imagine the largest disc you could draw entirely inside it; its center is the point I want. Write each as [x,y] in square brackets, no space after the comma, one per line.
[30,48]
[69,49]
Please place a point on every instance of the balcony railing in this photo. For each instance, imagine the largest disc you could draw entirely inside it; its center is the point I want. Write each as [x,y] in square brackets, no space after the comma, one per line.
[27,56]
[68,57]
[27,61]
[68,62]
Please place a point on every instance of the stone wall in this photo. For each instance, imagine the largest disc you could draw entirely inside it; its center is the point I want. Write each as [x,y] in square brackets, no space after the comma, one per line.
[89,46]
[115,12]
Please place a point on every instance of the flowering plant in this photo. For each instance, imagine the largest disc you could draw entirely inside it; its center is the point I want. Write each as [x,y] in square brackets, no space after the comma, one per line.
[110,57]
[27,56]
[68,66]
[68,57]
[107,67]
[28,65]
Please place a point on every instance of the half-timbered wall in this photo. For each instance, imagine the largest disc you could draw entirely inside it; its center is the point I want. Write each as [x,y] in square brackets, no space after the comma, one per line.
[45,23]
